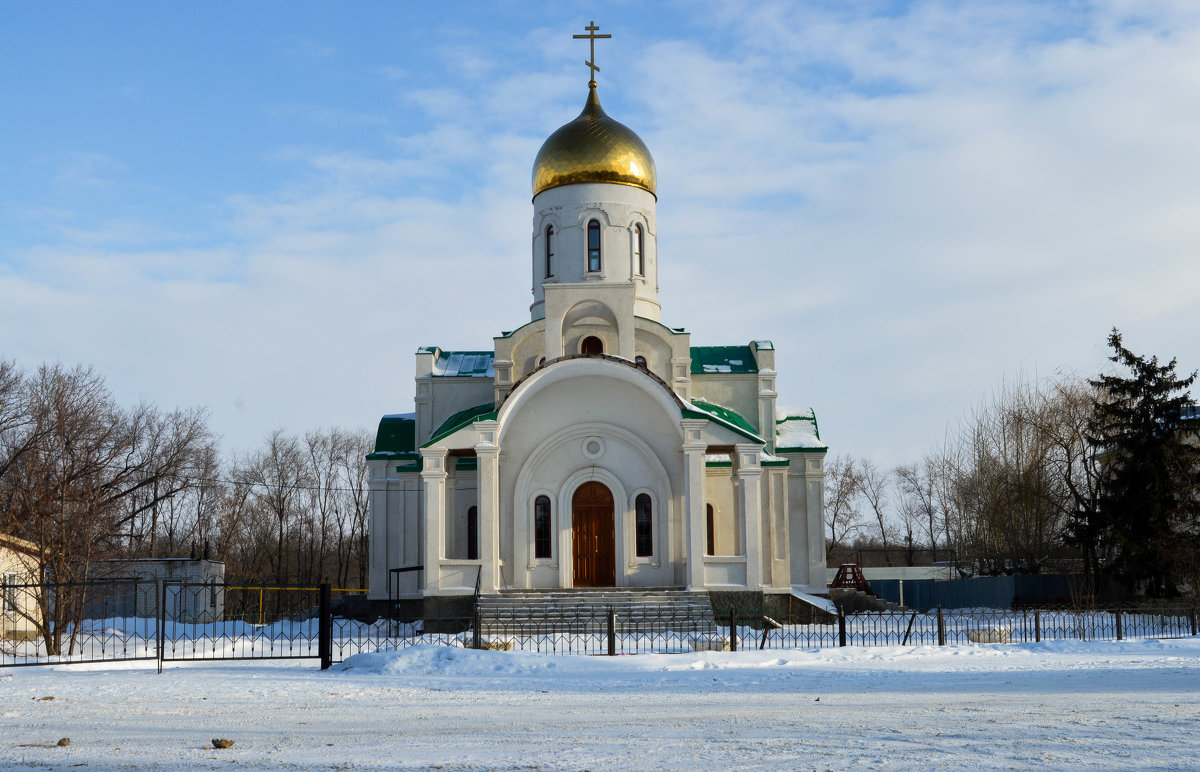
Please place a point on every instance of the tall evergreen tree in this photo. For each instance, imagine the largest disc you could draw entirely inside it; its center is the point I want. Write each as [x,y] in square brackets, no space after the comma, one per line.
[1148,512]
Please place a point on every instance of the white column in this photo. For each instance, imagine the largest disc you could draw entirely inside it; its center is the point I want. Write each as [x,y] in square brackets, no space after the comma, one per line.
[453,536]
[694,500]
[433,476]
[487,453]
[749,504]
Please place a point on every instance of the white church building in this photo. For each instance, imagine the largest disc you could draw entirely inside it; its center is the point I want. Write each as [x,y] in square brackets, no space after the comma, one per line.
[595,445]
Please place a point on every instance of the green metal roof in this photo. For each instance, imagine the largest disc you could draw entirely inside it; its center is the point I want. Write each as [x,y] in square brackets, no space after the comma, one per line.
[729,418]
[723,359]
[484,412]
[396,435]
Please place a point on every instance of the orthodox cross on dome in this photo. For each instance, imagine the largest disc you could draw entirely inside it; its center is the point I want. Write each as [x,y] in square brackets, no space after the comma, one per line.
[591,61]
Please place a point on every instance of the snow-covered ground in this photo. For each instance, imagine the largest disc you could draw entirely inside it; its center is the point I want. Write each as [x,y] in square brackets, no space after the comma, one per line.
[1110,705]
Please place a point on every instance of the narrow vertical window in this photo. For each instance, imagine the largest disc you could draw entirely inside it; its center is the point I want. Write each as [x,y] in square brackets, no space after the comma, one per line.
[644,525]
[473,533]
[639,254]
[549,251]
[593,245]
[712,533]
[541,527]
[9,594]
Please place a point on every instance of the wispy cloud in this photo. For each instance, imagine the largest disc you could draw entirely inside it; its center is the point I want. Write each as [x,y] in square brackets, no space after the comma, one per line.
[911,202]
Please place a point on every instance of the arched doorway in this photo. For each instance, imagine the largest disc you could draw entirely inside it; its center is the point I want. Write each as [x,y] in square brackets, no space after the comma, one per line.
[593,536]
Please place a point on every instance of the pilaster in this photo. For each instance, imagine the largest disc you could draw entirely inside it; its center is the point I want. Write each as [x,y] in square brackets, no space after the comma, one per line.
[433,477]
[749,501]
[487,452]
[694,499]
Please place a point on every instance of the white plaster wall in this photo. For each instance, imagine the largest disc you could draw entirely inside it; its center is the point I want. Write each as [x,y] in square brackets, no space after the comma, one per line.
[466,495]
[21,620]
[543,452]
[718,486]
[732,390]
[617,207]
[449,395]
[776,525]
[395,528]
[807,546]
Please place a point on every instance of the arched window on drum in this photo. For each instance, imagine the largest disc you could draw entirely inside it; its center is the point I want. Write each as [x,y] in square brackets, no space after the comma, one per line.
[639,249]
[593,246]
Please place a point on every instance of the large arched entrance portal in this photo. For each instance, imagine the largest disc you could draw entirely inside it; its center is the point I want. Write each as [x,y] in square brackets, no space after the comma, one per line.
[593,536]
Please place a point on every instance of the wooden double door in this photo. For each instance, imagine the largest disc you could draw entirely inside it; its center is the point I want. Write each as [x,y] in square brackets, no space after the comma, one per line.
[593,536]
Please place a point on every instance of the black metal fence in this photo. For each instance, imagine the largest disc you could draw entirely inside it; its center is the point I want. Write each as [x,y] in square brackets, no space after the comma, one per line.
[166,621]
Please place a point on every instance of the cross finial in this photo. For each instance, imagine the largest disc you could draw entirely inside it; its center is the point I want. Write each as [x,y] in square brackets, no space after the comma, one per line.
[591,61]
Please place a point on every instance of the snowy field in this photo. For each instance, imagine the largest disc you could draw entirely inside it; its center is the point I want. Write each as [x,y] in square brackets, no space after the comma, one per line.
[1111,705]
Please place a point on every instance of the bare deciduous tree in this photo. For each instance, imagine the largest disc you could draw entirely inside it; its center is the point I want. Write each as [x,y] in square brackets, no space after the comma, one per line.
[843,518]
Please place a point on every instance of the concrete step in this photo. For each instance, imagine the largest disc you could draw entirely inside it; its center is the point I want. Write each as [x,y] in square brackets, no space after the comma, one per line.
[585,610]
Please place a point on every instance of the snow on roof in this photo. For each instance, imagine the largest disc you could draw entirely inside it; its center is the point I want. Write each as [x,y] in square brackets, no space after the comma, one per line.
[474,364]
[796,429]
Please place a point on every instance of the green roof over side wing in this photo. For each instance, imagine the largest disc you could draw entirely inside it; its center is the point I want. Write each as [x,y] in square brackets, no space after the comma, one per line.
[484,412]
[729,418]
[396,436]
[723,359]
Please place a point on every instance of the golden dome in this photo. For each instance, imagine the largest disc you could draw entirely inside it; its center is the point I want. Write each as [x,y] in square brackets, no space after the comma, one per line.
[594,148]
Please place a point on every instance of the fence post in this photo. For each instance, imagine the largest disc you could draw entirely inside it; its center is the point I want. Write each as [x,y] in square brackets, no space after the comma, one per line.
[325,627]
[1037,625]
[476,631]
[1192,619]
[612,632]
[941,628]
[160,600]
[733,629]
[841,627]
[1119,630]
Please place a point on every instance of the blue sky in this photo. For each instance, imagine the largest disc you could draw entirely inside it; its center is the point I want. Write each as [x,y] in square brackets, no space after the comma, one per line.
[265,208]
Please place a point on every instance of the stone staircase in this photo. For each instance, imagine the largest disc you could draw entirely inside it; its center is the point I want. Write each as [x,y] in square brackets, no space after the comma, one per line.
[585,610]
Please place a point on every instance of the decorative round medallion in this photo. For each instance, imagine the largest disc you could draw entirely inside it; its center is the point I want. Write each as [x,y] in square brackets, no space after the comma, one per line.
[593,447]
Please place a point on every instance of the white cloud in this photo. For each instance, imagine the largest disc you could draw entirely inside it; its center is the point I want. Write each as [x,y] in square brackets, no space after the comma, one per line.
[929,201]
